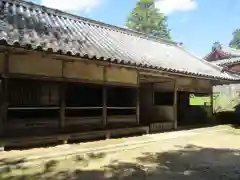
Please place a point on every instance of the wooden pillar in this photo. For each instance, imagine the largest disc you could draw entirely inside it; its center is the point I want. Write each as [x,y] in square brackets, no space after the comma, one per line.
[4,94]
[1,106]
[212,107]
[138,100]
[62,105]
[4,104]
[138,105]
[175,104]
[104,100]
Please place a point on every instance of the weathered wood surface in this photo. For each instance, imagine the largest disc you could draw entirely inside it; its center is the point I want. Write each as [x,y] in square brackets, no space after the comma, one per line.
[2,55]
[175,105]
[162,126]
[121,74]
[73,136]
[31,123]
[83,70]
[122,118]
[83,120]
[194,85]
[34,64]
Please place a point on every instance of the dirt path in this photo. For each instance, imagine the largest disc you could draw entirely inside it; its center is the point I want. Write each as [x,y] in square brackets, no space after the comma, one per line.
[205,155]
[37,152]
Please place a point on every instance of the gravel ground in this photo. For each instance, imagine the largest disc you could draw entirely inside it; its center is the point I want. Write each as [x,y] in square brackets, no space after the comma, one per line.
[208,155]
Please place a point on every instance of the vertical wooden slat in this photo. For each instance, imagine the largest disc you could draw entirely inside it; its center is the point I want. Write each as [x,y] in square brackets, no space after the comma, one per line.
[138,100]
[62,105]
[152,91]
[1,105]
[138,106]
[104,99]
[175,104]
[4,93]
[212,108]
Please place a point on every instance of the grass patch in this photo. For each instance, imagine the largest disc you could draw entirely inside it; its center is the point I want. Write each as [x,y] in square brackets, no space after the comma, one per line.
[199,101]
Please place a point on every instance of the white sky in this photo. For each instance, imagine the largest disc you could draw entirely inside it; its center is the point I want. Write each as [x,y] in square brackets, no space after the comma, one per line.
[166,6]
[170,6]
[72,5]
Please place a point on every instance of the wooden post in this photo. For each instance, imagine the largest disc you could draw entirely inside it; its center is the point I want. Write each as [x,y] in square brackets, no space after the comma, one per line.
[175,105]
[138,99]
[138,105]
[104,100]
[62,106]
[2,107]
[4,93]
[212,108]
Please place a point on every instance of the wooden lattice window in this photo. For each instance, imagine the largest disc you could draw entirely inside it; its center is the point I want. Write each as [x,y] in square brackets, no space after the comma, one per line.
[32,93]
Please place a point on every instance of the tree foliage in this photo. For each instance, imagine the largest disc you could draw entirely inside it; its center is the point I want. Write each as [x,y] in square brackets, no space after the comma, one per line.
[147,19]
[235,42]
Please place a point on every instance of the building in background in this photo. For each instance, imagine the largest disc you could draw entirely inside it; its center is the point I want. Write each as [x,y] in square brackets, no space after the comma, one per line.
[227,97]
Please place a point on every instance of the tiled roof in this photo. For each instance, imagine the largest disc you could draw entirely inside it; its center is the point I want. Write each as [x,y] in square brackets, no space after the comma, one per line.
[228,51]
[225,51]
[33,26]
[228,61]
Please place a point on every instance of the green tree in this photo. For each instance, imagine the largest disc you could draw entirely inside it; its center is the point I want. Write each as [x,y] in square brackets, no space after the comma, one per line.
[147,19]
[235,42]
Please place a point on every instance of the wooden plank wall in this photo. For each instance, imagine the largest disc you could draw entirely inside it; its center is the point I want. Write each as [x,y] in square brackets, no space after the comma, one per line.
[122,74]
[194,85]
[83,70]
[34,64]
[37,64]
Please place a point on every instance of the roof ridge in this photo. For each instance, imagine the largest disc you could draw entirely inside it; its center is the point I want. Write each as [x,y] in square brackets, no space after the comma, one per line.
[226,61]
[234,49]
[94,22]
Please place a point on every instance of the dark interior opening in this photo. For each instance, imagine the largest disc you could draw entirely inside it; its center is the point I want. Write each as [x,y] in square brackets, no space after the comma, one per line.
[163,98]
[121,97]
[83,95]
[33,106]
[30,93]
[121,118]
[83,100]
[121,106]
[32,100]
[32,114]
[84,112]
[121,112]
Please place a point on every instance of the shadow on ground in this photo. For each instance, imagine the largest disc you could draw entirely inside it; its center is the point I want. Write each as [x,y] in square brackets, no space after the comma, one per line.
[191,162]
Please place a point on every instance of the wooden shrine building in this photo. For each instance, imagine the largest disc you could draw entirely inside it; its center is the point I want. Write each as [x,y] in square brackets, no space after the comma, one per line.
[229,59]
[225,56]
[64,77]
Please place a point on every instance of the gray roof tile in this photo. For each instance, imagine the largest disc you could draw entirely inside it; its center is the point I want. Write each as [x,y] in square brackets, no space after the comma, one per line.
[33,26]
[230,51]
[225,51]
[228,61]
